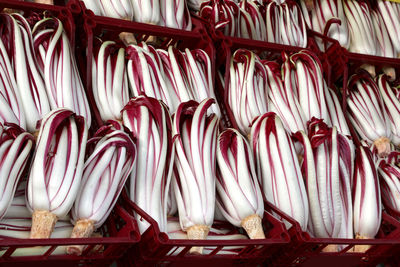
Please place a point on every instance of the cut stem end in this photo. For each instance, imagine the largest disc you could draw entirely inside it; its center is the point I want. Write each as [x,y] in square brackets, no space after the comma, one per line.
[382,145]
[152,39]
[309,4]
[127,38]
[331,248]
[82,229]
[10,10]
[369,68]
[43,222]
[390,73]
[253,226]
[197,232]
[48,2]
[361,248]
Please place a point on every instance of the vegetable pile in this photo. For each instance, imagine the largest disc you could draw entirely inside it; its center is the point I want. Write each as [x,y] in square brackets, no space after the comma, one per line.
[330,166]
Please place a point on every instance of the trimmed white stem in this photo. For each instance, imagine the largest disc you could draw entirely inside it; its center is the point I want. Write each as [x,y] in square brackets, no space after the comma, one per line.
[82,229]
[43,223]
[382,145]
[253,226]
[197,232]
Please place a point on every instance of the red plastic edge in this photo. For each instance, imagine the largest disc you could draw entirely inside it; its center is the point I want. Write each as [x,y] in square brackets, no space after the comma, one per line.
[303,247]
[156,247]
[121,234]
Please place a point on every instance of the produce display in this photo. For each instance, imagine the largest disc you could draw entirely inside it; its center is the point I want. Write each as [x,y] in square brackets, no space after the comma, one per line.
[304,156]
[305,149]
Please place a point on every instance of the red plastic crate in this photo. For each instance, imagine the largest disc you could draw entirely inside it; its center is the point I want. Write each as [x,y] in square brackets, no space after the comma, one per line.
[120,232]
[155,248]
[304,250]
[109,29]
[387,243]
[226,46]
[351,63]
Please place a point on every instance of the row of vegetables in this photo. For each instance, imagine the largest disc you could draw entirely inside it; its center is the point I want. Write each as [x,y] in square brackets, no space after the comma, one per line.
[360,26]
[162,139]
